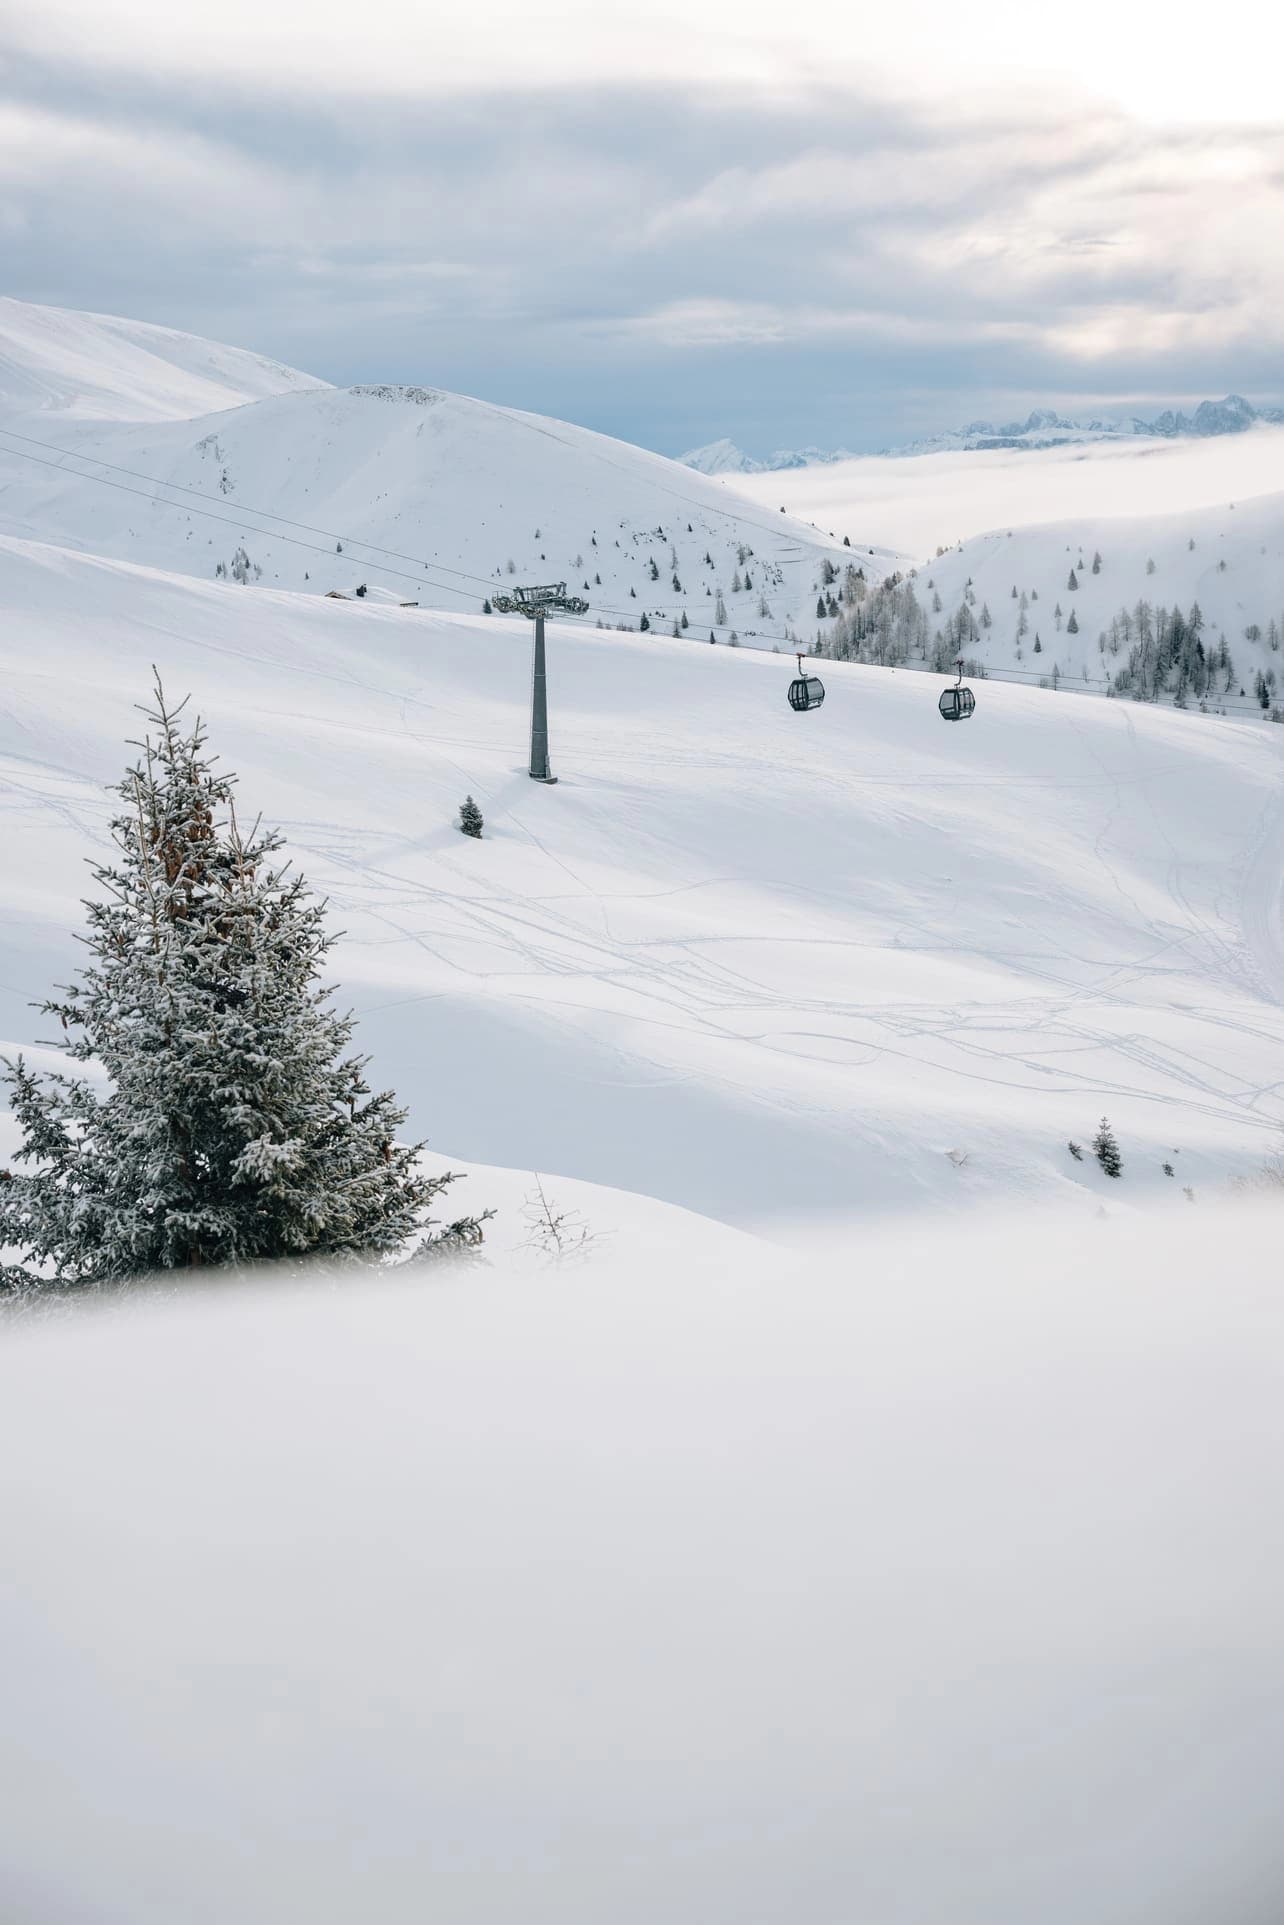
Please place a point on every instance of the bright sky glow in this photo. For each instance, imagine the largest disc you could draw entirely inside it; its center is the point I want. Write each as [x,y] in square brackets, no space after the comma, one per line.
[1152,61]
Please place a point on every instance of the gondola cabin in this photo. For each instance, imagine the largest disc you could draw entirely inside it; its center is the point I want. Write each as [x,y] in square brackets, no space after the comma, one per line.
[805,691]
[956,704]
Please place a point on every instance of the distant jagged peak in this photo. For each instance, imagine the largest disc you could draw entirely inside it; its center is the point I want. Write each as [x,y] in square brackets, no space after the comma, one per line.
[1041,428]
[721,457]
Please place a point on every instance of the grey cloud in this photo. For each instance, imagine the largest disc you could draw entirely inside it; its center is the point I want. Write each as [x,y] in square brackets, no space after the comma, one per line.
[913,264]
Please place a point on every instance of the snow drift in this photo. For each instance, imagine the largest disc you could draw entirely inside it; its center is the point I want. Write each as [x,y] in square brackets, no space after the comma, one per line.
[927,1580]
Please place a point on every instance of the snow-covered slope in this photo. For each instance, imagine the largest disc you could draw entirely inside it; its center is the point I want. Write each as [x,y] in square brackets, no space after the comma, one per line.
[1227,561]
[58,363]
[754,963]
[435,497]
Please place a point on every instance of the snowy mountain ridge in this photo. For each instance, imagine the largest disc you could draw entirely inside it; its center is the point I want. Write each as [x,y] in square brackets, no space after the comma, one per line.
[1042,428]
[409,491]
[725,458]
[59,365]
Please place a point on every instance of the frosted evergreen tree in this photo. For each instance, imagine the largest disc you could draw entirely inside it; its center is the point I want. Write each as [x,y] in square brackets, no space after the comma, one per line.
[471,820]
[230,1126]
[1106,1150]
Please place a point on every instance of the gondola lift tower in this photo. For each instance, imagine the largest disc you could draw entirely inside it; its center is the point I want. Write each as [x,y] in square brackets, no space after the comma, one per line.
[535,602]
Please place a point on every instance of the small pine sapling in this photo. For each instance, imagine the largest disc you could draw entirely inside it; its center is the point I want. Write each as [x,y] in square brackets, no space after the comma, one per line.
[1106,1150]
[471,821]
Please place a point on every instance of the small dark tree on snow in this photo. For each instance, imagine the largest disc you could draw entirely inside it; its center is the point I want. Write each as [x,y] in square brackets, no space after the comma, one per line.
[1072,580]
[644,624]
[470,818]
[486,608]
[233,1127]
[1106,1150]
[1096,562]
[1072,626]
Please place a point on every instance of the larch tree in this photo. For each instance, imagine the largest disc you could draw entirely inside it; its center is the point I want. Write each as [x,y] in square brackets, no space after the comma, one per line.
[226,1124]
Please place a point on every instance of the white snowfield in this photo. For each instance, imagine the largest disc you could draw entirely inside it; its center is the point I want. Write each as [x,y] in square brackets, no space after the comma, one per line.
[57,365]
[933,1579]
[757,964]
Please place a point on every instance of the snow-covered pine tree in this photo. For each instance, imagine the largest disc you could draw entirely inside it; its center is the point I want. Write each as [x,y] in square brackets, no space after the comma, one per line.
[471,820]
[1106,1150]
[232,1127]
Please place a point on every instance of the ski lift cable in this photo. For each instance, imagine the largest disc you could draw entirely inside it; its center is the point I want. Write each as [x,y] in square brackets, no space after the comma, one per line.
[245,525]
[423,579]
[331,534]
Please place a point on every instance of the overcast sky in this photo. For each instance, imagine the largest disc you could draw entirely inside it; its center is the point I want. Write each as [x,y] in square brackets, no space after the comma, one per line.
[669,222]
